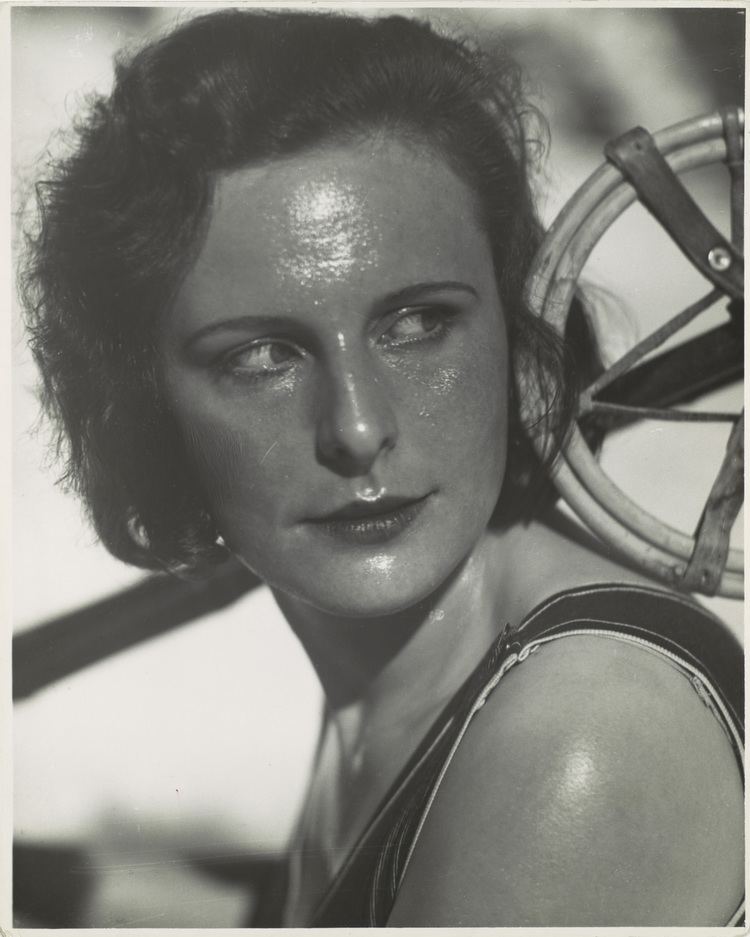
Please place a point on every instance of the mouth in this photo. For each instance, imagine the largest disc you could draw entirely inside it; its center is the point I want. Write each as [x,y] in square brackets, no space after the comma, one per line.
[373,522]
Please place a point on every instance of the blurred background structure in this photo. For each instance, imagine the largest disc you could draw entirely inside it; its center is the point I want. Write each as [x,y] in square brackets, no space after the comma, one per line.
[148,787]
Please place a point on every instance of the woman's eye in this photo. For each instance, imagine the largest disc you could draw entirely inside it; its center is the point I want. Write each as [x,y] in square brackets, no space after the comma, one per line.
[261,359]
[417,324]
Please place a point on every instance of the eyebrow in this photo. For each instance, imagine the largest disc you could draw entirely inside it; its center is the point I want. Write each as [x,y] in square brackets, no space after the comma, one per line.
[236,324]
[408,294]
[417,290]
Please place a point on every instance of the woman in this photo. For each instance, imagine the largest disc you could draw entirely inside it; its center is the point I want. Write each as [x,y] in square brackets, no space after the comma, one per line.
[276,298]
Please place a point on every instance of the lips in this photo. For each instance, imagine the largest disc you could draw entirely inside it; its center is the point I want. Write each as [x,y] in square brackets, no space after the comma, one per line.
[371,522]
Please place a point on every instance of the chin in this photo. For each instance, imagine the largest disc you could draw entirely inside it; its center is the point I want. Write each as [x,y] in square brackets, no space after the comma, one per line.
[363,605]
[379,586]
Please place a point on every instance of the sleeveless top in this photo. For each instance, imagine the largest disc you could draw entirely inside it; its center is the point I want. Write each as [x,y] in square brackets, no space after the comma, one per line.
[363,892]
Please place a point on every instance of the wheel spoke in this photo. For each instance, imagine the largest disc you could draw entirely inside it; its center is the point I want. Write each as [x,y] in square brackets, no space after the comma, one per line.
[661,413]
[684,373]
[648,344]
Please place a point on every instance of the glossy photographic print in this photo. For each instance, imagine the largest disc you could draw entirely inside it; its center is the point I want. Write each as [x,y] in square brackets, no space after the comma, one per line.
[377,466]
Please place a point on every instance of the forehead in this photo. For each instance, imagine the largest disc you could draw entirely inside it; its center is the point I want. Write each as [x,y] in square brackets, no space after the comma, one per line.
[378,213]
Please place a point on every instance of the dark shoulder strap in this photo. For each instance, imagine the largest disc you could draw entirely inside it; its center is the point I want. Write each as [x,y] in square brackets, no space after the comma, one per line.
[675,622]
[362,893]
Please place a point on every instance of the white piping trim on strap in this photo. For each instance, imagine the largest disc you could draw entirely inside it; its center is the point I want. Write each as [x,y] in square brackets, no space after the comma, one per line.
[481,699]
[362,838]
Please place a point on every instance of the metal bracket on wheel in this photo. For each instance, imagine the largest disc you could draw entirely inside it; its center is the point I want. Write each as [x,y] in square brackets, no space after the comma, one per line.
[659,189]
[724,502]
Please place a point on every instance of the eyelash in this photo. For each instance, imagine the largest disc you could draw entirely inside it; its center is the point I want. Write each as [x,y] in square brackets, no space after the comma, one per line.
[229,365]
[445,316]
[445,319]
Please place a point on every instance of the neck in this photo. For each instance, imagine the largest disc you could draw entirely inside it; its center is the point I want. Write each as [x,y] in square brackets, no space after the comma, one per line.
[410,662]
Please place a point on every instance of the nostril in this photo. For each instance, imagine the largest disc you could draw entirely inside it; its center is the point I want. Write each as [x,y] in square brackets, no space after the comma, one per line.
[352,446]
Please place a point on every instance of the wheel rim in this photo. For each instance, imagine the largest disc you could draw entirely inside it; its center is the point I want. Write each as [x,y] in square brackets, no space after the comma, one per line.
[551,287]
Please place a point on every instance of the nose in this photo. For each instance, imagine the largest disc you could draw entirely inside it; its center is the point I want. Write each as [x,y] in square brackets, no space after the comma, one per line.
[356,421]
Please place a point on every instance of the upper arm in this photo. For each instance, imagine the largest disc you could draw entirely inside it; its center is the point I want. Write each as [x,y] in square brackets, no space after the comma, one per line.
[595,787]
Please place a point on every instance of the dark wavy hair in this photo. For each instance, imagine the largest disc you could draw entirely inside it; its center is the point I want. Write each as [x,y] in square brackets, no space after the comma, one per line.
[121,218]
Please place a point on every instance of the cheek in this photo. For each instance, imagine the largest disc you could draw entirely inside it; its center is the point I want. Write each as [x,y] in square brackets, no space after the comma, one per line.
[218,455]
[237,468]
[440,385]
[464,407]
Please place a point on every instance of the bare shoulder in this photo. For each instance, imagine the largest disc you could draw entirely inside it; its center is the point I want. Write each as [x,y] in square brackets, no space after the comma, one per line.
[595,787]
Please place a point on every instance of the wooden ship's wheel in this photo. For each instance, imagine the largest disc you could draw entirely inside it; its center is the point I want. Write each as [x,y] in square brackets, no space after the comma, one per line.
[647,168]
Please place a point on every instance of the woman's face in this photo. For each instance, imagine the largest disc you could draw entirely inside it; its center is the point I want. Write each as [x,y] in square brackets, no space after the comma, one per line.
[337,361]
